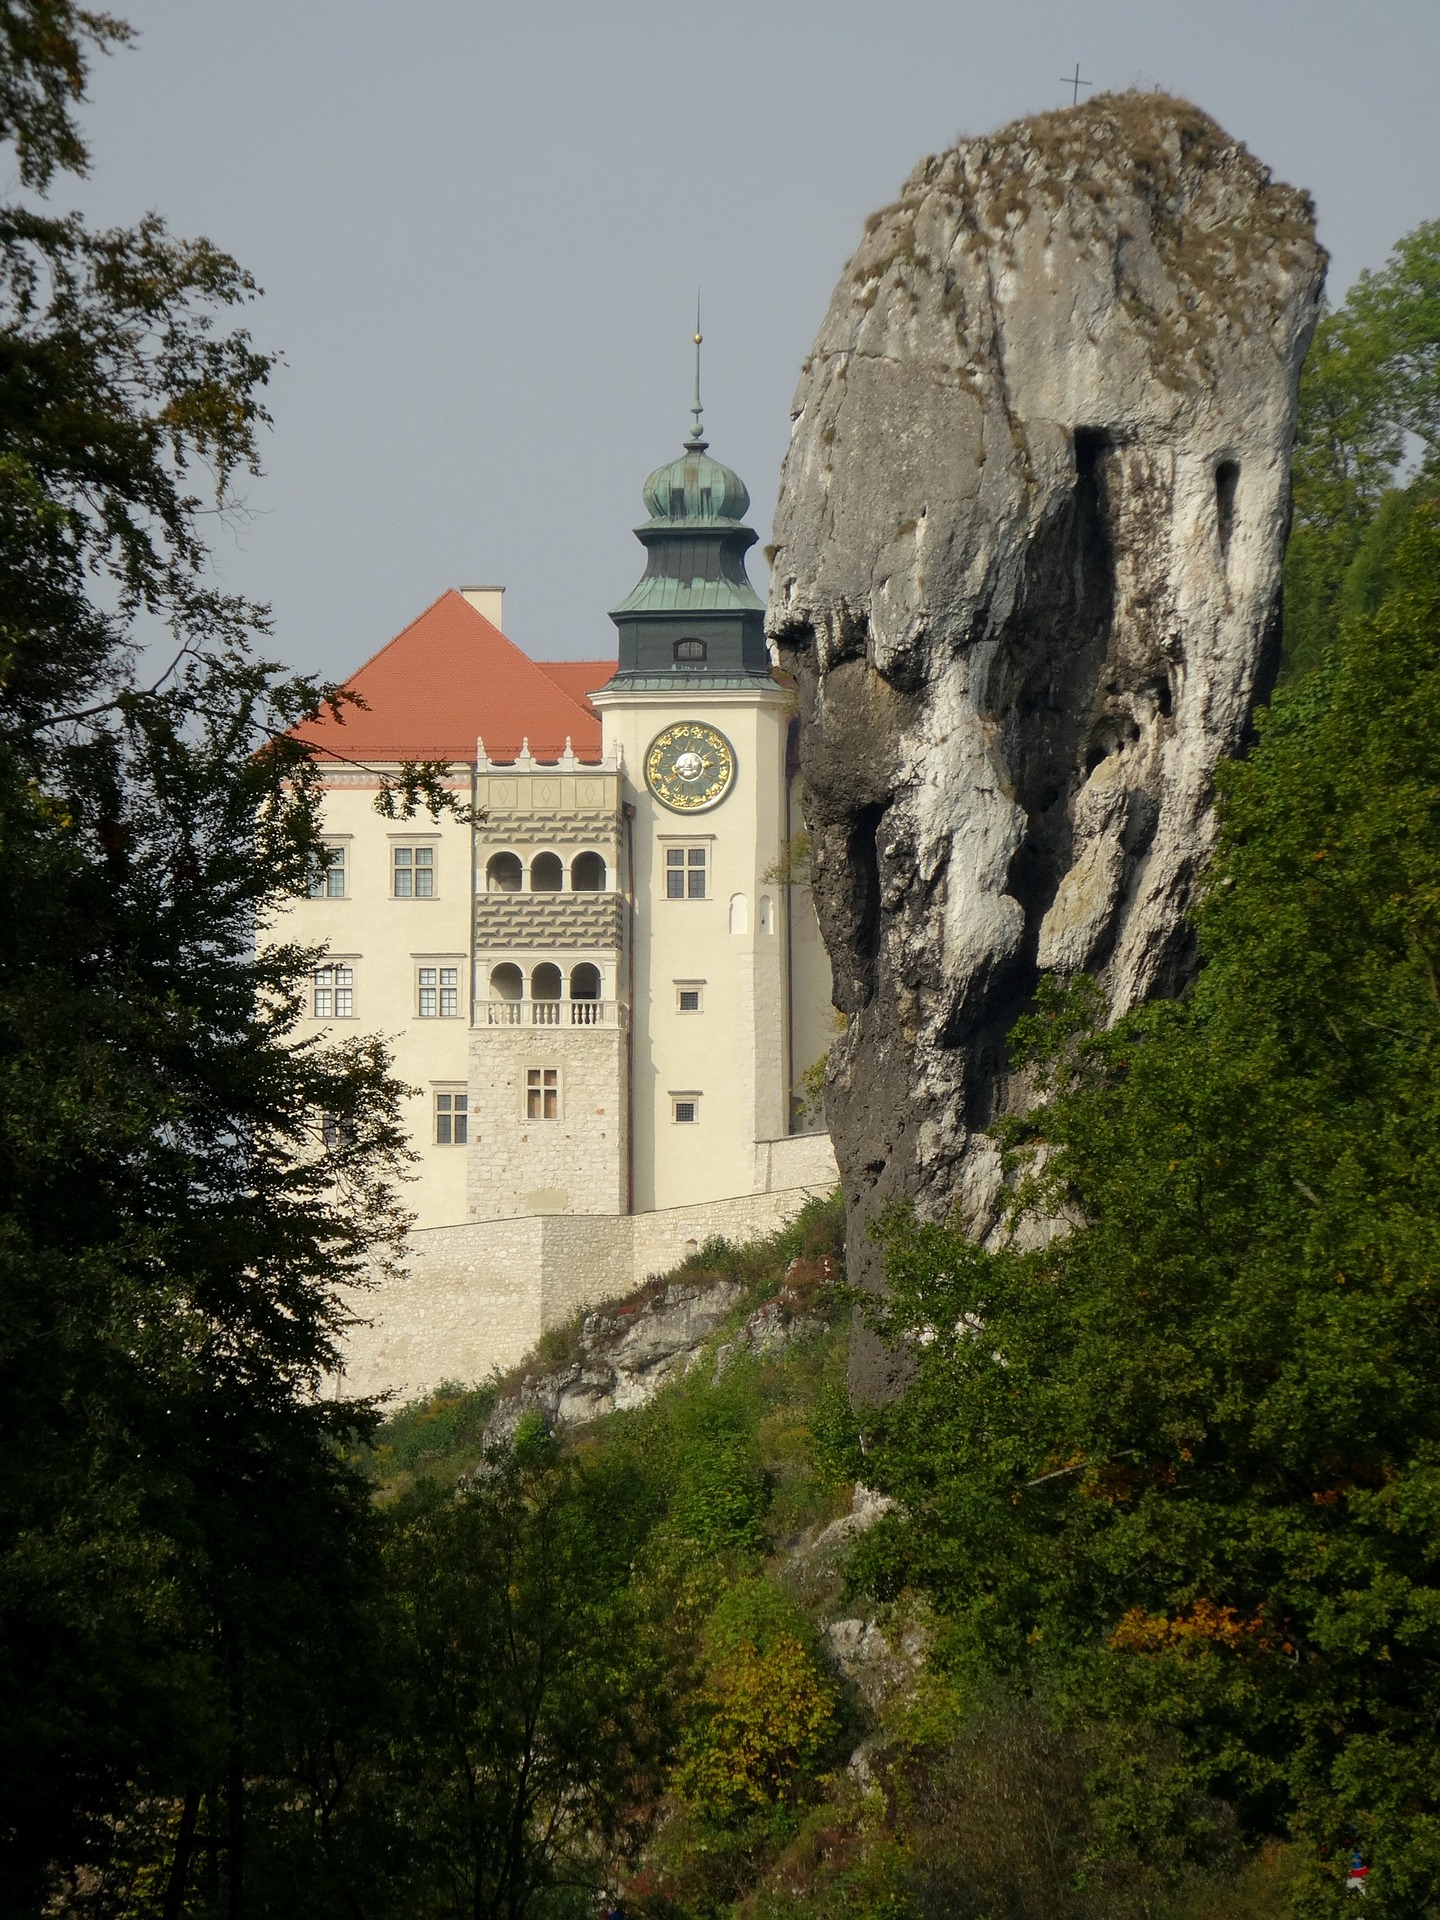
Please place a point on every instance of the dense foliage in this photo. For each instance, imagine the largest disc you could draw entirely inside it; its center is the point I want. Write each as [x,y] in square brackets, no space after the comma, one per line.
[1368,443]
[179,1532]
[1183,1462]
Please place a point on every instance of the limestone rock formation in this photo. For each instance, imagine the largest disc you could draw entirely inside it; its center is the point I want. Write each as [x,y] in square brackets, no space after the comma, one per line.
[1026,574]
[626,1352]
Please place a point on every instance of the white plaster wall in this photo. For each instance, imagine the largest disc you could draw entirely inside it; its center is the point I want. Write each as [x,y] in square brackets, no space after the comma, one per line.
[385,940]
[733,1054]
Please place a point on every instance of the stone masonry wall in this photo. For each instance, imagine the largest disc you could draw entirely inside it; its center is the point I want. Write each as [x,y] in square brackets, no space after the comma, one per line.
[575,1164]
[478,1297]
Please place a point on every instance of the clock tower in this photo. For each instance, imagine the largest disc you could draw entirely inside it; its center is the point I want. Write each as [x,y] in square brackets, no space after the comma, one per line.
[700,728]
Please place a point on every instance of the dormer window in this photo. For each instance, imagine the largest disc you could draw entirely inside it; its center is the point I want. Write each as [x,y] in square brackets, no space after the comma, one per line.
[677,503]
[706,498]
[688,652]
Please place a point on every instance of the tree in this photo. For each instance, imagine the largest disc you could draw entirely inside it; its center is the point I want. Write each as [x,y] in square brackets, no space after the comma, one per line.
[1183,1463]
[766,1713]
[1370,394]
[177,1223]
[525,1717]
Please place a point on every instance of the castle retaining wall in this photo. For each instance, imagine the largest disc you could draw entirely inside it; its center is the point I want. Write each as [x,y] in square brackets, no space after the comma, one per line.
[477,1297]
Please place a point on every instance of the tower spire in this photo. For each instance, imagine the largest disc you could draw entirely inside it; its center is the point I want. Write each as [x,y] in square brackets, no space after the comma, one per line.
[697,442]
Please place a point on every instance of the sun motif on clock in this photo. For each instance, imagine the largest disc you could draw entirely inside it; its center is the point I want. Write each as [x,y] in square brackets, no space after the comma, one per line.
[690,767]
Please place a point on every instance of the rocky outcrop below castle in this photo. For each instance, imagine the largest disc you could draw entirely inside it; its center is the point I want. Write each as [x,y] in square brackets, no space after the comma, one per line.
[622,1355]
[1026,575]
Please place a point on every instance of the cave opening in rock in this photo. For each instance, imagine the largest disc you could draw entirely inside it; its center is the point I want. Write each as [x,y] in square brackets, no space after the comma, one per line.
[1227,480]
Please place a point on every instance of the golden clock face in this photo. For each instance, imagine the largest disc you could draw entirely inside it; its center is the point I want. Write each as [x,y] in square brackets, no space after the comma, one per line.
[689,767]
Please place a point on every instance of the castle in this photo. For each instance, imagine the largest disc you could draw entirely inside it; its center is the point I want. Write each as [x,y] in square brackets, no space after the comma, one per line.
[606,992]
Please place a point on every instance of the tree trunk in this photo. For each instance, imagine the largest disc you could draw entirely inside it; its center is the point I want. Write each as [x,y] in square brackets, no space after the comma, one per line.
[174,1906]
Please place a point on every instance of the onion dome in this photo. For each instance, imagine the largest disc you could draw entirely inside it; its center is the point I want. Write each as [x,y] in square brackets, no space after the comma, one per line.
[696,488]
[693,615]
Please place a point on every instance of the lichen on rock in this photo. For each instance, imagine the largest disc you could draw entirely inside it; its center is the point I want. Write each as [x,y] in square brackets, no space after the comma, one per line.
[1026,573]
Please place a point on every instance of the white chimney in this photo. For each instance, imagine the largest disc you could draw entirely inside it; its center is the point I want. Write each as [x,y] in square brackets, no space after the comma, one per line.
[488,600]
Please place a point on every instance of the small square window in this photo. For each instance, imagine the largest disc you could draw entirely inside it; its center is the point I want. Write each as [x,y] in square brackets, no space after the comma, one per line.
[437,993]
[334,993]
[542,1093]
[329,883]
[452,1119]
[687,999]
[686,1111]
[413,869]
[685,870]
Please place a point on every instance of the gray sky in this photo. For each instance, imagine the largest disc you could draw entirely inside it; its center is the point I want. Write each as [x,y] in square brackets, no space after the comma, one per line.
[480,228]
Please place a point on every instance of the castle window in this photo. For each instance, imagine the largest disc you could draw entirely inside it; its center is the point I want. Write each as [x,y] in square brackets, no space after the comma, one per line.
[542,1093]
[707,506]
[587,873]
[685,873]
[504,874]
[687,652]
[677,503]
[334,993]
[336,1132]
[688,996]
[438,993]
[685,1109]
[414,872]
[329,883]
[452,1119]
[547,874]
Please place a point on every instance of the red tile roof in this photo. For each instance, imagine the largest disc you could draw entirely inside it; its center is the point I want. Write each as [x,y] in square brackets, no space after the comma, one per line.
[579,678]
[450,676]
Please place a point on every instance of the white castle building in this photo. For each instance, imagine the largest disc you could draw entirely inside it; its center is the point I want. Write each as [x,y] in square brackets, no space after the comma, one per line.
[606,992]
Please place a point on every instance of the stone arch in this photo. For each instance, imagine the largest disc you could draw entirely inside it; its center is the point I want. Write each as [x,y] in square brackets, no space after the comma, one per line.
[545,981]
[504,873]
[739,913]
[507,982]
[547,873]
[587,873]
[585,981]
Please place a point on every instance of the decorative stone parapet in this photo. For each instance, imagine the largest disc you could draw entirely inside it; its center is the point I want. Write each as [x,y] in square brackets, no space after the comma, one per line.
[551,1013]
[530,920]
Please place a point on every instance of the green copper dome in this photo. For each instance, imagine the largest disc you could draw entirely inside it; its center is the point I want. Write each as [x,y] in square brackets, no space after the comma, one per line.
[693,617]
[696,488]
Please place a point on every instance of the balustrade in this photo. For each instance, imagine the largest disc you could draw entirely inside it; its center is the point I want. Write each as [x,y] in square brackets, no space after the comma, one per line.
[551,1013]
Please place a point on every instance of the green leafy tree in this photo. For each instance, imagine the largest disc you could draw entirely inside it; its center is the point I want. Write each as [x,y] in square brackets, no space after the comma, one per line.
[185,1184]
[1182,1463]
[522,1744]
[766,1712]
[1370,394]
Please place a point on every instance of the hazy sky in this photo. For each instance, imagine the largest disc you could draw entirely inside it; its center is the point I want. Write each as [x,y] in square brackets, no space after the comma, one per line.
[480,228]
